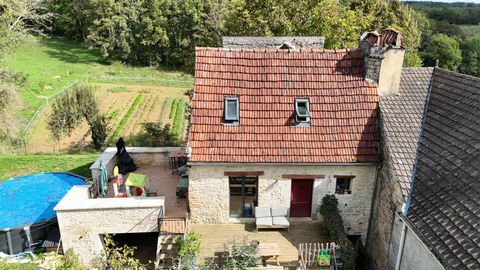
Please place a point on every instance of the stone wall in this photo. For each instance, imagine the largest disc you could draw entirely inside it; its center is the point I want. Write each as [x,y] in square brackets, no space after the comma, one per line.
[415,255]
[209,191]
[273,42]
[140,155]
[84,221]
[388,200]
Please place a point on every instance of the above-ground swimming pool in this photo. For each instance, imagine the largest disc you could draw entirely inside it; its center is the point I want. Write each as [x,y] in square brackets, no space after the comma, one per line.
[26,207]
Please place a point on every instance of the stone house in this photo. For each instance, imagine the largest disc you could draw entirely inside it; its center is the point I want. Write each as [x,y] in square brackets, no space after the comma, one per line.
[425,214]
[285,127]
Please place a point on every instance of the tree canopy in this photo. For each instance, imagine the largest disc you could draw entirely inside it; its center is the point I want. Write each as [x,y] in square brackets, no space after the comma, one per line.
[444,49]
[165,32]
[471,56]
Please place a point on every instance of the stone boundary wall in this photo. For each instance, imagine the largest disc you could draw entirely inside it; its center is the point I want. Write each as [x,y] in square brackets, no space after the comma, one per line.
[273,42]
[140,155]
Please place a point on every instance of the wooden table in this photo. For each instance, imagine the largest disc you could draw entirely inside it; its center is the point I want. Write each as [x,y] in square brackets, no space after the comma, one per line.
[266,251]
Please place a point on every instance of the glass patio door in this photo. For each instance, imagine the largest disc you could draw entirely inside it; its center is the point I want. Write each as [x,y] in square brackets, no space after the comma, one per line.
[243,195]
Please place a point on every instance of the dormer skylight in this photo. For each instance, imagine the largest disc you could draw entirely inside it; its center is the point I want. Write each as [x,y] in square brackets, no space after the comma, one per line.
[302,111]
[231,110]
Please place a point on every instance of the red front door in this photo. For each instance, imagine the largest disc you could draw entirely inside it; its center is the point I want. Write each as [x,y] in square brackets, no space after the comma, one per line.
[301,198]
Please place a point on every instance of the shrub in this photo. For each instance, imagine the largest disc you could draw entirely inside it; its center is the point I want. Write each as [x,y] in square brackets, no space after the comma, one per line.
[119,257]
[335,229]
[239,256]
[188,251]
[70,261]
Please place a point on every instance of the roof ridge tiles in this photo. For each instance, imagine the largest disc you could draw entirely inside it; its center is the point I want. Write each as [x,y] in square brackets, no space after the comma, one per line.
[267,50]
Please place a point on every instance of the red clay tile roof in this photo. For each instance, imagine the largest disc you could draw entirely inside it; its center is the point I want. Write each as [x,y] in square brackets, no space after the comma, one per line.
[343,107]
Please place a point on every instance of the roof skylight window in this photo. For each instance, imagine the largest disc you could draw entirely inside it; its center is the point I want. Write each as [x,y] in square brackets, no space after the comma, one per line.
[231,110]
[302,110]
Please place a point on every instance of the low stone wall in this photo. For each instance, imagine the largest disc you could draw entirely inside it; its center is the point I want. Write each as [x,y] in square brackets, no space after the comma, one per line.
[141,156]
[209,191]
[83,221]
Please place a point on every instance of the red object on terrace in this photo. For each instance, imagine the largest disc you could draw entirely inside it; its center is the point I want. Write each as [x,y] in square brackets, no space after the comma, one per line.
[342,105]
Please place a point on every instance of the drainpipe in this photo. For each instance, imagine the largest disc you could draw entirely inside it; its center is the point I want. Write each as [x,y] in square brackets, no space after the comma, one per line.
[401,246]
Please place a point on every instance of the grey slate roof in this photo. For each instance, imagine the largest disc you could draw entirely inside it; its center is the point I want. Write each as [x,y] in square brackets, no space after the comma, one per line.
[445,202]
[402,118]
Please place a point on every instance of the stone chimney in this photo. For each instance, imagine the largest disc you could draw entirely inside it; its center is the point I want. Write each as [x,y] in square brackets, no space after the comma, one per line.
[383,59]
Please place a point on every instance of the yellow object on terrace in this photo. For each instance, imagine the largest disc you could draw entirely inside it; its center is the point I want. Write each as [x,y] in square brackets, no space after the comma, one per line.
[136,180]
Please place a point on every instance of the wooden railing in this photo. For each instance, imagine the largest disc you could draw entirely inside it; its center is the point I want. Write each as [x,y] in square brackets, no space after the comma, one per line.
[308,253]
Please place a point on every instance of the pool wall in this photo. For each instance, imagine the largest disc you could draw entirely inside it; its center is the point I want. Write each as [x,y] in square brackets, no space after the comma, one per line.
[19,236]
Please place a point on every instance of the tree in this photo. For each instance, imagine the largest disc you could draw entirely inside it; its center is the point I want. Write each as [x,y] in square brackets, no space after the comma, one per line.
[28,15]
[379,14]
[444,49]
[70,109]
[471,56]
[328,18]
[191,23]
[129,31]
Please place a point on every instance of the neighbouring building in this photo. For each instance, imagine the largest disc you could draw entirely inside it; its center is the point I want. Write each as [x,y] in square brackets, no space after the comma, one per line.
[285,127]
[426,214]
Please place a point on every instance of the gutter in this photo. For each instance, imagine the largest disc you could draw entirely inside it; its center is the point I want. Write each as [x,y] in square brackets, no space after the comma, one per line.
[281,164]
[401,246]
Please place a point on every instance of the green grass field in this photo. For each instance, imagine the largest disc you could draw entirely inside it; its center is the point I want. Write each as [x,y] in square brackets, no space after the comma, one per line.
[470,30]
[23,165]
[53,64]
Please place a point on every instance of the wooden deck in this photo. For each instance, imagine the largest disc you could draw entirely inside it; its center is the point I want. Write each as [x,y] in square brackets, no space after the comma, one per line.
[215,236]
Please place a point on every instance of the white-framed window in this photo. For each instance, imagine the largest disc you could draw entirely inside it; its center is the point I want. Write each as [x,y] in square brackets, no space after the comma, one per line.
[302,110]
[231,110]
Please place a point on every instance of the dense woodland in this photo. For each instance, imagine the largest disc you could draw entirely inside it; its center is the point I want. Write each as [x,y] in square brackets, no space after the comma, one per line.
[164,33]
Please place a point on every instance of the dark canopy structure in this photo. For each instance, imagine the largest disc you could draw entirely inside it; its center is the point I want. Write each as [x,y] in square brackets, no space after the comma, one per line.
[125,162]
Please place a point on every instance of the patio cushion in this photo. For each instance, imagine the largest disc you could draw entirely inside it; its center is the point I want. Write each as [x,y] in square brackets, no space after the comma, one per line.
[280,221]
[262,212]
[263,221]
[279,212]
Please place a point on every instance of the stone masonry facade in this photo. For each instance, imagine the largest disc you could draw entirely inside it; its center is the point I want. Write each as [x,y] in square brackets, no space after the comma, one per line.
[209,191]
[82,230]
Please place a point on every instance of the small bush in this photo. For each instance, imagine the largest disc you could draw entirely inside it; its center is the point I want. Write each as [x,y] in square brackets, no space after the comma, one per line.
[335,229]
[189,250]
[239,256]
[116,257]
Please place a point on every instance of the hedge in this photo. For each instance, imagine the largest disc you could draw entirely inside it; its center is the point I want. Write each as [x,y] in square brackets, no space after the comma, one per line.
[334,225]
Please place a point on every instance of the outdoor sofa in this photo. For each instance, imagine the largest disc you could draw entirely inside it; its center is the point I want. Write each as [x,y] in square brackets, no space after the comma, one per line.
[271,217]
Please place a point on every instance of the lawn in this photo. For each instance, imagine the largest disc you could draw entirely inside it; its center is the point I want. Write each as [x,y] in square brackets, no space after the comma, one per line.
[470,30]
[23,165]
[17,266]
